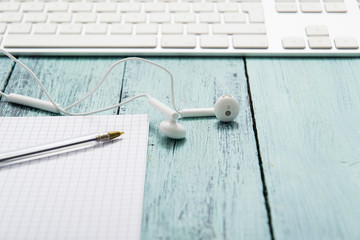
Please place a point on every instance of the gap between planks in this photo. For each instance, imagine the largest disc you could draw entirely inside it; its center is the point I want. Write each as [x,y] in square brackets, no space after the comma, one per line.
[121,90]
[262,174]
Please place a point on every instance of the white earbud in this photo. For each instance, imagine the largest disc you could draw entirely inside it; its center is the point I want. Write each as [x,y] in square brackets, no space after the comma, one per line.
[226,109]
[170,128]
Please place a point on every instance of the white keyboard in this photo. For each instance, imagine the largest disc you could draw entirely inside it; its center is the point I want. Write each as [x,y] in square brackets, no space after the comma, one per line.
[181,27]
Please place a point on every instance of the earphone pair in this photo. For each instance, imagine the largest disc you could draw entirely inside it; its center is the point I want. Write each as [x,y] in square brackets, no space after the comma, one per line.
[226,107]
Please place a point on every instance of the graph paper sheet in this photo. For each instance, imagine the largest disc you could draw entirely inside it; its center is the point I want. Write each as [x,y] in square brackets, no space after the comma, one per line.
[94,193]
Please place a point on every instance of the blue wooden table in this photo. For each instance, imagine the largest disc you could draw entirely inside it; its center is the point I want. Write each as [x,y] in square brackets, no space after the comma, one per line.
[288,167]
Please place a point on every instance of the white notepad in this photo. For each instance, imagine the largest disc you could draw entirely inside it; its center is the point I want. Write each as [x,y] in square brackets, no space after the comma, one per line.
[94,193]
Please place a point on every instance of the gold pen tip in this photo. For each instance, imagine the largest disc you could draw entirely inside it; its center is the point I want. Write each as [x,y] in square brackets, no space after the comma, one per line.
[115,134]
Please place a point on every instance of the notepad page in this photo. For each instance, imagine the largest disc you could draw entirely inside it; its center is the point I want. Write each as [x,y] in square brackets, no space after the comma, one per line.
[94,193]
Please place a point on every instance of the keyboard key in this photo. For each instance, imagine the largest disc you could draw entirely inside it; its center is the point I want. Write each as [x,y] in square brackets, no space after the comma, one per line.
[135,17]
[172,29]
[346,43]
[35,17]
[110,17]
[316,30]
[70,28]
[2,28]
[234,18]
[247,6]
[33,7]
[57,7]
[197,29]
[203,7]
[85,17]
[338,7]
[239,29]
[11,17]
[130,7]
[43,28]
[81,41]
[9,6]
[96,29]
[293,43]
[256,15]
[185,18]
[154,7]
[286,7]
[179,41]
[209,18]
[179,7]
[146,28]
[121,29]
[19,28]
[160,18]
[228,7]
[250,42]
[81,7]
[310,7]
[214,42]
[60,17]
[106,7]
[319,43]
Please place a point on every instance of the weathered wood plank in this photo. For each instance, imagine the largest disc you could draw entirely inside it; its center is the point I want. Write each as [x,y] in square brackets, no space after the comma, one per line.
[207,186]
[5,71]
[67,79]
[307,115]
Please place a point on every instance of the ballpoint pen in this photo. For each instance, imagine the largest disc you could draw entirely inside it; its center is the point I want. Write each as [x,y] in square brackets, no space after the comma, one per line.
[50,149]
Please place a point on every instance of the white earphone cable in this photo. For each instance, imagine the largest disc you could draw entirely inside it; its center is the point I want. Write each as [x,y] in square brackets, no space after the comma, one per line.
[34,76]
[3,94]
[64,110]
[124,60]
[108,108]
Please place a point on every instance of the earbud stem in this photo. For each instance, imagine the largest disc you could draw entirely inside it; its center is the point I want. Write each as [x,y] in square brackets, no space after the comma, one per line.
[32,102]
[163,108]
[198,112]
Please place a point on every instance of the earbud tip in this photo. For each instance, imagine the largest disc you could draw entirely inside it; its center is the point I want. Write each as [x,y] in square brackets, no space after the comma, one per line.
[172,129]
[226,108]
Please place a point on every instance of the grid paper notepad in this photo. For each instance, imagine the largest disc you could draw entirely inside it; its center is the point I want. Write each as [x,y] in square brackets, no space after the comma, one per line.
[93,193]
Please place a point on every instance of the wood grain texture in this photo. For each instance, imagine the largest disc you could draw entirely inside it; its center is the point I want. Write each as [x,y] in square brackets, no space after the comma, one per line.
[207,186]
[307,115]
[67,80]
[5,71]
